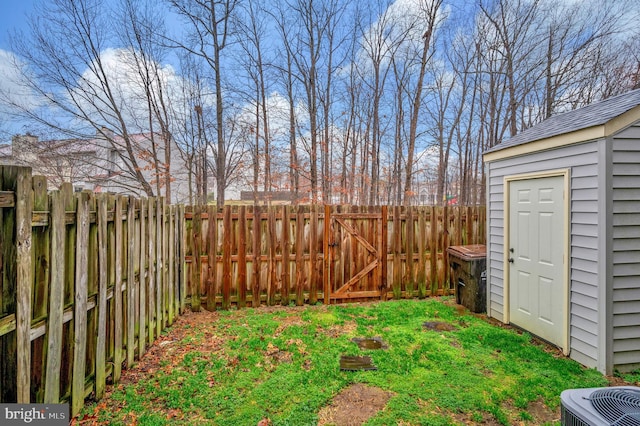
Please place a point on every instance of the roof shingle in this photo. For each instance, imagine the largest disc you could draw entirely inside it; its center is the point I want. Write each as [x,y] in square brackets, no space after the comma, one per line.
[595,114]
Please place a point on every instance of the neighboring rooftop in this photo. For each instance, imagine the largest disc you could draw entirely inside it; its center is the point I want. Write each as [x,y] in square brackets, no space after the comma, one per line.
[595,114]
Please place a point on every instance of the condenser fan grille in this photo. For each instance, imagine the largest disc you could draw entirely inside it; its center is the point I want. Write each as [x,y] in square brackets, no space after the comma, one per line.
[621,407]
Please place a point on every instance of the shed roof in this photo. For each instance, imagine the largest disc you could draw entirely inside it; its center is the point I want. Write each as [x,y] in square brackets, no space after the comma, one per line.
[590,116]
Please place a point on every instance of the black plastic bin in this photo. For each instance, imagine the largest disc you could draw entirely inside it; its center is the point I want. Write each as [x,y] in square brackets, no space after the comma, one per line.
[468,273]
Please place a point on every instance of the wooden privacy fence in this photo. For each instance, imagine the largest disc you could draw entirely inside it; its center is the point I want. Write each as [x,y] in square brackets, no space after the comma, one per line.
[295,254]
[88,283]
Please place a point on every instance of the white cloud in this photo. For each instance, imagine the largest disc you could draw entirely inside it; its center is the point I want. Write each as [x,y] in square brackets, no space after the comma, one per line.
[128,88]
[14,94]
[398,30]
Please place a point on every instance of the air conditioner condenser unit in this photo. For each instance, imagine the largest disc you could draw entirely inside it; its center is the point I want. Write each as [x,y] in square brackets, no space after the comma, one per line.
[618,405]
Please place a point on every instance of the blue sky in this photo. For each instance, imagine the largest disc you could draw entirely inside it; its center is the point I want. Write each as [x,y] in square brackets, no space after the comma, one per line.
[13,14]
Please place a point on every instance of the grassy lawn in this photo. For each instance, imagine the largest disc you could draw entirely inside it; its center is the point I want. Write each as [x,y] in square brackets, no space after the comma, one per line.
[280,366]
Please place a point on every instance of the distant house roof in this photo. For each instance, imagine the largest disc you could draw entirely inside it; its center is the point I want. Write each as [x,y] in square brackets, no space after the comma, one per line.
[54,148]
[596,114]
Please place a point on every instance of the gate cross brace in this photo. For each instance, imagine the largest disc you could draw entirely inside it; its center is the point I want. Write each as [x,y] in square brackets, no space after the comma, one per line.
[358,237]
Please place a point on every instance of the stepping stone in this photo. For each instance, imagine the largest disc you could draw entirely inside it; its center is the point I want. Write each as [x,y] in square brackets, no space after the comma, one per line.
[356,363]
[369,342]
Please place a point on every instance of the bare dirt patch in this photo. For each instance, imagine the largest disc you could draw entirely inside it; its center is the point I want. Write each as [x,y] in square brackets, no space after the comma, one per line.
[468,419]
[541,413]
[537,410]
[289,321]
[354,405]
[349,327]
[438,326]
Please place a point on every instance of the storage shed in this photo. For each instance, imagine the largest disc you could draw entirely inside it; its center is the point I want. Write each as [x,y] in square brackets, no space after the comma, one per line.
[563,232]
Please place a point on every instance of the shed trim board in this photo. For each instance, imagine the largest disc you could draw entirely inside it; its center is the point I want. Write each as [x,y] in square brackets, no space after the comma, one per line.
[605,262]
[565,175]
[559,141]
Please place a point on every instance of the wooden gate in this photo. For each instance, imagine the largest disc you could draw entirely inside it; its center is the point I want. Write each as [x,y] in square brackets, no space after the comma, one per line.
[355,264]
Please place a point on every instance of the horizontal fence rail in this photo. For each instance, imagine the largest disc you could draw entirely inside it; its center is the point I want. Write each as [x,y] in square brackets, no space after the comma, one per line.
[89,281]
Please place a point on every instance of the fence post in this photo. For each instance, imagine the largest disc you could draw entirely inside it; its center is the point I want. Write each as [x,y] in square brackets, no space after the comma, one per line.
[422,244]
[211,247]
[80,312]
[286,247]
[151,269]
[226,258]
[397,249]
[271,250]
[433,252]
[313,255]
[257,252]
[410,276]
[182,242]
[160,282]
[117,291]
[326,255]
[196,261]
[19,180]
[56,299]
[131,284]
[299,256]
[242,257]
[101,343]
[445,254]
[143,279]
[171,255]
[384,213]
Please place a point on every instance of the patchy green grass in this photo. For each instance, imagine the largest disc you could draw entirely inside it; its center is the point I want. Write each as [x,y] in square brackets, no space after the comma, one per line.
[633,377]
[282,364]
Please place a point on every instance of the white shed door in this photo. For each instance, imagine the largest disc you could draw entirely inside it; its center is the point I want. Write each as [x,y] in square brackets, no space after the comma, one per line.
[536,239]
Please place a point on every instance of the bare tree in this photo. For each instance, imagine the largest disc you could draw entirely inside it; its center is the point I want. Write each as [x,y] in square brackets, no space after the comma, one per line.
[372,107]
[210,25]
[286,72]
[513,23]
[252,33]
[332,14]
[142,25]
[577,36]
[379,42]
[308,39]
[352,123]
[401,72]
[431,10]
[66,69]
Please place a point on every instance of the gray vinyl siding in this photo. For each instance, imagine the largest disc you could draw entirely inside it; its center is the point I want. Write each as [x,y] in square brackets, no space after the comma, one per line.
[495,245]
[582,160]
[625,234]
